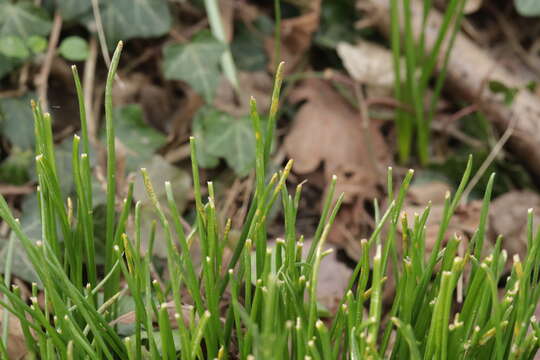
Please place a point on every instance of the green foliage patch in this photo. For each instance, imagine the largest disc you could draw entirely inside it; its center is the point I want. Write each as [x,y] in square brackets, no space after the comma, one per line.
[262,302]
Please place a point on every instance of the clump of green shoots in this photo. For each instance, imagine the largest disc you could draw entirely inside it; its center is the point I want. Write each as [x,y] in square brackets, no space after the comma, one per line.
[413,76]
[262,304]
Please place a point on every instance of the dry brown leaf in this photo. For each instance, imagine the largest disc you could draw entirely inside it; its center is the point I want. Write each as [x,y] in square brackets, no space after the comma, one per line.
[16,344]
[257,84]
[508,217]
[333,278]
[463,224]
[188,107]
[367,63]
[246,12]
[352,224]
[472,6]
[327,130]
[130,317]
[433,192]
[305,4]
[296,34]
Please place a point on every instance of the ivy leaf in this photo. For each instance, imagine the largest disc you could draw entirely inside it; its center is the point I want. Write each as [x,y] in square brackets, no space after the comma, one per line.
[509,93]
[14,169]
[126,19]
[528,7]
[248,50]
[71,9]
[16,121]
[141,139]
[202,120]
[23,19]
[21,265]
[6,66]
[74,48]
[196,63]
[337,24]
[37,44]
[13,46]
[231,139]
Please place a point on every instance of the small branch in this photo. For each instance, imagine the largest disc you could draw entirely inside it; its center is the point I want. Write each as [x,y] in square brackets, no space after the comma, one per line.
[43,77]
[101,33]
[487,162]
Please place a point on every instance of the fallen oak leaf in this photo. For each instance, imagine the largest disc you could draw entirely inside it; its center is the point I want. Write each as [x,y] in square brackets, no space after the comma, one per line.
[328,130]
[463,224]
[333,277]
[296,36]
[16,343]
[257,84]
[130,317]
[367,63]
[506,218]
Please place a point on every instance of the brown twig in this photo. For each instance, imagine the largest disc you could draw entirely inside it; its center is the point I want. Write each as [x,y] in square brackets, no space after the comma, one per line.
[6,189]
[510,33]
[456,133]
[487,162]
[180,153]
[43,77]
[101,33]
[365,125]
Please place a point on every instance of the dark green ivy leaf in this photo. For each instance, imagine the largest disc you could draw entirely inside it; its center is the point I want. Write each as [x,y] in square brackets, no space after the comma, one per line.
[126,19]
[16,121]
[140,139]
[23,19]
[14,169]
[70,9]
[528,7]
[196,63]
[227,137]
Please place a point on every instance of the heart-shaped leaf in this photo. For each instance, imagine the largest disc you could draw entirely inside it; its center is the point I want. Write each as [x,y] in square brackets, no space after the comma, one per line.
[16,121]
[6,65]
[196,63]
[140,139]
[23,19]
[126,19]
[13,46]
[74,48]
[70,9]
[528,7]
[229,138]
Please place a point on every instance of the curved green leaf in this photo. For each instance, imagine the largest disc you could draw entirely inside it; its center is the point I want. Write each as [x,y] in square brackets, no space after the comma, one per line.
[140,139]
[126,19]
[233,140]
[201,122]
[23,19]
[70,9]
[74,48]
[13,46]
[196,63]
[528,7]
[17,122]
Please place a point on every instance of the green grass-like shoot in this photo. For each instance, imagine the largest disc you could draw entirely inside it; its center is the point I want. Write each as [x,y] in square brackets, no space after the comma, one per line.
[262,304]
